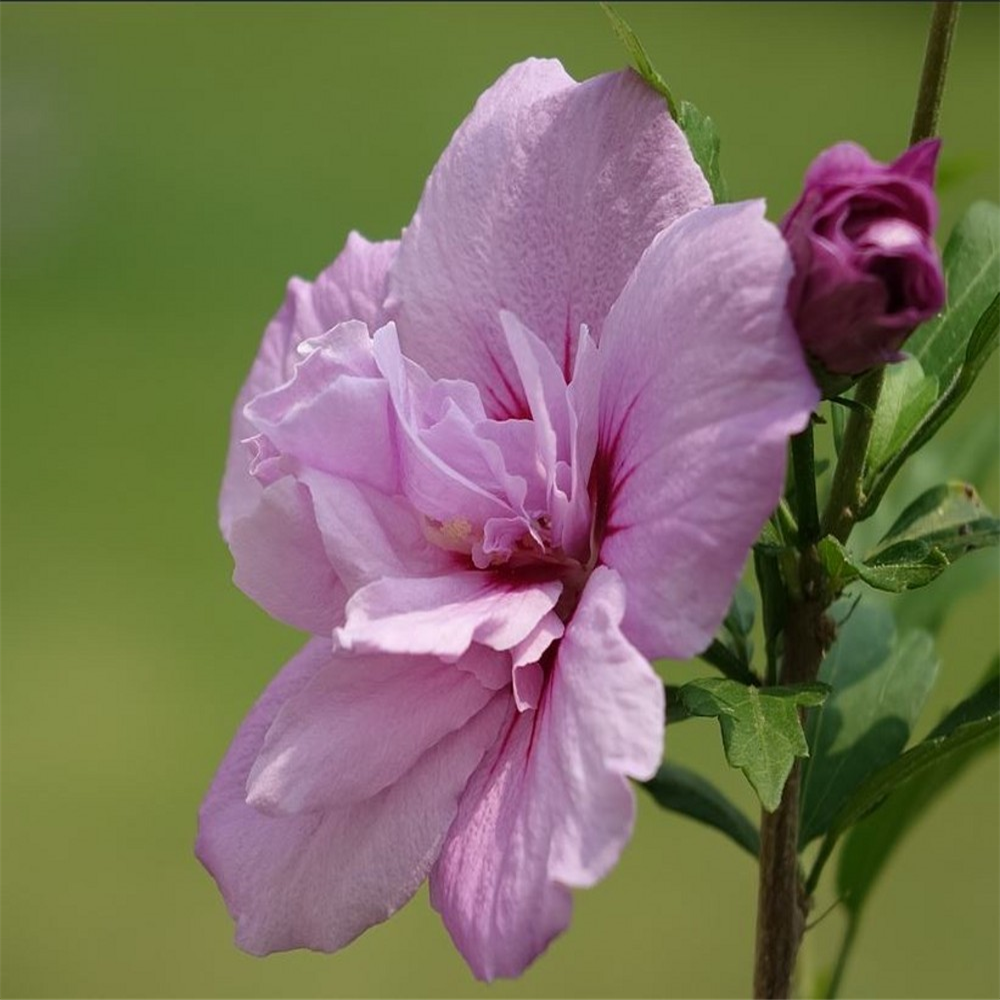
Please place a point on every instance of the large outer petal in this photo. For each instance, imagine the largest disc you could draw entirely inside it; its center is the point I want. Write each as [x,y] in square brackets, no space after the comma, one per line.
[357,728]
[542,204]
[549,807]
[703,382]
[352,287]
[318,879]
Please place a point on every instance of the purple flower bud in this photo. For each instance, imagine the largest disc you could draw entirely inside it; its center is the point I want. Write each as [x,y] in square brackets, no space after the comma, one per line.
[867,271]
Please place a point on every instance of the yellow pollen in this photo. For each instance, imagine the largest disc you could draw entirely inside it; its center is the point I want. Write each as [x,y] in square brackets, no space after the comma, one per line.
[456,534]
[458,529]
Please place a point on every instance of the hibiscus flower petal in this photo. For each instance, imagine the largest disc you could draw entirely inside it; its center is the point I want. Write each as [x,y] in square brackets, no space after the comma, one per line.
[491,883]
[533,646]
[368,535]
[319,752]
[701,388]
[549,806]
[280,562]
[352,287]
[317,880]
[447,470]
[542,205]
[329,418]
[444,615]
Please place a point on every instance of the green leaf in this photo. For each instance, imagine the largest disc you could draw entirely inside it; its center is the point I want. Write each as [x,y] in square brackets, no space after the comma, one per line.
[761,731]
[951,349]
[938,528]
[950,519]
[912,568]
[908,566]
[972,272]
[640,60]
[738,624]
[879,684]
[907,394]
[914,565]
[682,791]
[770,541]
[720,656]
[674,709]
[699,129]
[902,790]
[773,597]
[971,456]
[838,421]
[704,141]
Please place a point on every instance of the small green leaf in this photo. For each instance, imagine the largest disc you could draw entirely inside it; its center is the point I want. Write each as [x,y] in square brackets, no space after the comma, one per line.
[637,51]
[908,566]
[739,620]
[674,709]
[738,625]
[769,541]
[682,791]
[972,457]
[951,349]
[731,651]
[704,141]
[699,129]
[838,566]
[913,566]
[880,683]
[761,731]
[949,518]
[720,656]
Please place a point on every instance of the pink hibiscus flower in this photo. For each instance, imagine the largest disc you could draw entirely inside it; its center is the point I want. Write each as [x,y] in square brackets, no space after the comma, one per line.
[494,468]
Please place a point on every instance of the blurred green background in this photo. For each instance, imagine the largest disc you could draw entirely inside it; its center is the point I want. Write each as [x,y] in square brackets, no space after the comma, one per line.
[165,169]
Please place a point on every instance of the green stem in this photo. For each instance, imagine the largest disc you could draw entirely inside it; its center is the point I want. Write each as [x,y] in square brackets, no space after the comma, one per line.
[804,465]
[781,906]
[939,38]
[848,479]
[817,868]
[845,950]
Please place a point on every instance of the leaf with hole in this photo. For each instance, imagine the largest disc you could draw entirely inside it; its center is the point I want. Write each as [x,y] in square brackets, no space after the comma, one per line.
[914,565]
[949,518]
